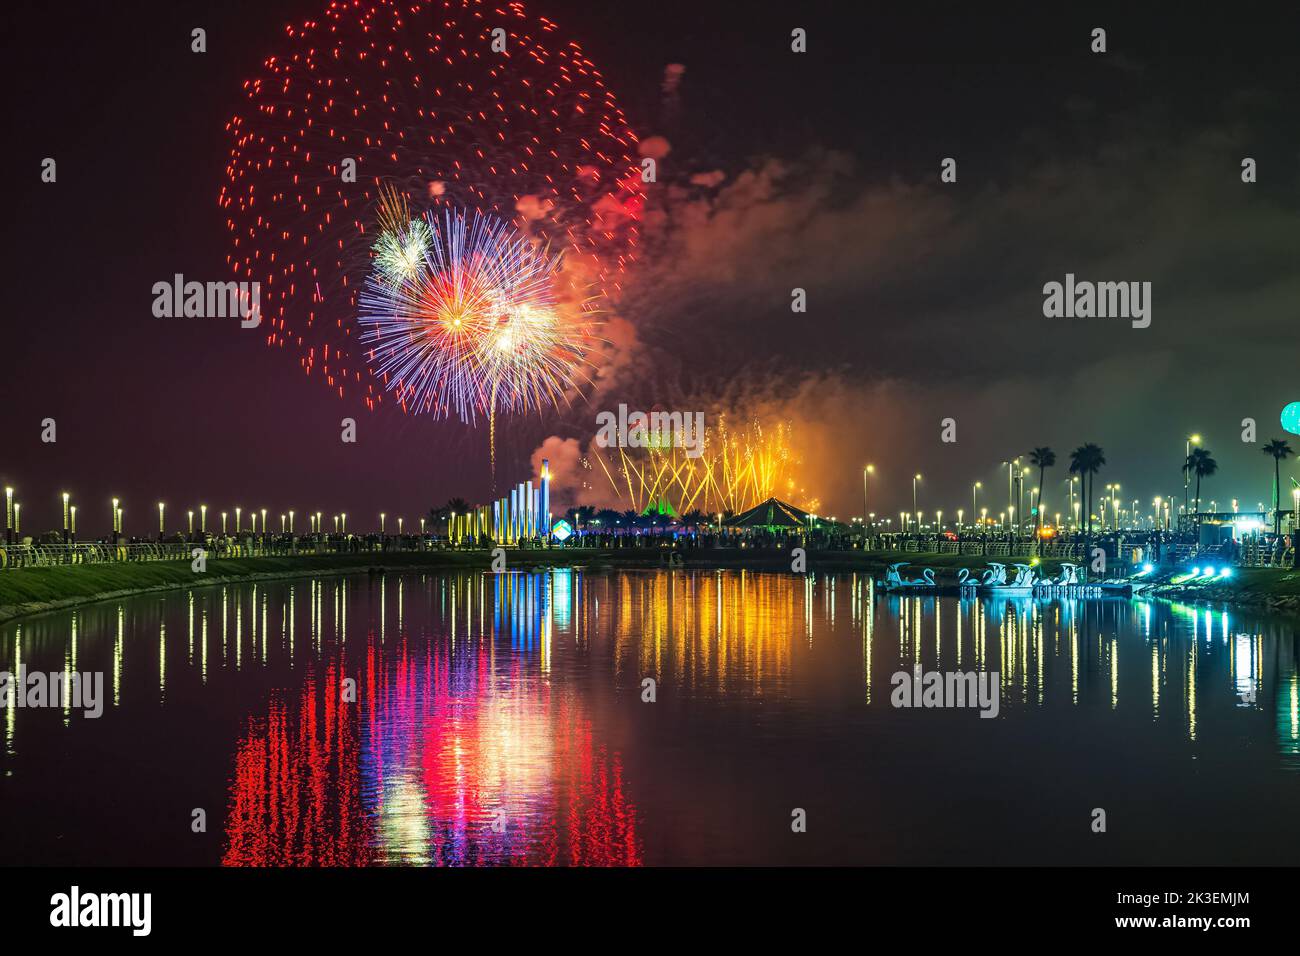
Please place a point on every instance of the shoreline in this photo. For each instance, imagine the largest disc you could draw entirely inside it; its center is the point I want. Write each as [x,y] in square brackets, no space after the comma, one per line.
[30,591]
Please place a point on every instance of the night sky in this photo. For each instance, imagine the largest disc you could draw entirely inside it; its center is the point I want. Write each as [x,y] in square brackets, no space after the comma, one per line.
[925,298]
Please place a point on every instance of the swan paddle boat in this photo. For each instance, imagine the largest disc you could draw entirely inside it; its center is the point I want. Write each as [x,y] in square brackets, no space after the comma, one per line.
[894,581]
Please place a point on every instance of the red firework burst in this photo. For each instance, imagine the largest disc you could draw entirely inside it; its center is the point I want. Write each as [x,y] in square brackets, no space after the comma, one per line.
[422,97]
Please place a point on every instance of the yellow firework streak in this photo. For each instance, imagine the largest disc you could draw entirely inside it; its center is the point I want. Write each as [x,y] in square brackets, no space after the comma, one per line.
[736,471]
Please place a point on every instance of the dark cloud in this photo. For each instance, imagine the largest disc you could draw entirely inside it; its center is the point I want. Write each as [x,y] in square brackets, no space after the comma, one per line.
[925,302]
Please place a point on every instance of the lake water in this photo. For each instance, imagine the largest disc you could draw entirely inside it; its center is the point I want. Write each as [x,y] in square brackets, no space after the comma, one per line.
[499,719]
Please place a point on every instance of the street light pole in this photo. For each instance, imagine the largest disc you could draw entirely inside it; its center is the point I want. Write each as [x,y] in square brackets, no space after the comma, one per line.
[866,503]
[1191,440]
[915,479]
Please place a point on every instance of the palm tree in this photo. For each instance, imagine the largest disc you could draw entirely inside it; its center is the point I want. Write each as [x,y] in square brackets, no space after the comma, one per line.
[1279,450]
[1086,461]
[607,517]
[1042,459]
[1201,464]
[694,518]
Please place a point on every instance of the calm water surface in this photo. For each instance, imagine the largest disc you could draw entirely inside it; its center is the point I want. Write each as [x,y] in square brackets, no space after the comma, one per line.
[498,719]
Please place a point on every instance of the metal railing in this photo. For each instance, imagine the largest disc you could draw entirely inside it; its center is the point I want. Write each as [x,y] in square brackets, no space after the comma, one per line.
[42,555]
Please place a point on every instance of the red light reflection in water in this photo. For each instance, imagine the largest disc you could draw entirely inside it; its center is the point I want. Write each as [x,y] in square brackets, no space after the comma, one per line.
[442,743]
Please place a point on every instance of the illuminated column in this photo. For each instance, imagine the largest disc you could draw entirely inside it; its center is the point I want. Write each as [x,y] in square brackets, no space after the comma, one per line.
[203,520]
[161,532]
[530,527]
[66,532]
[9,515]
[546,496]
